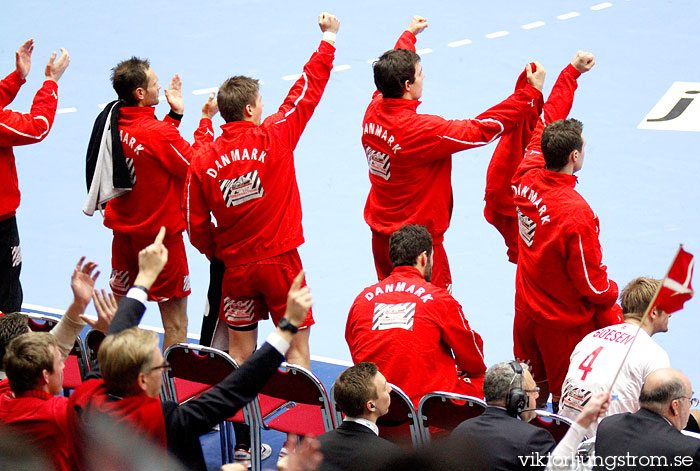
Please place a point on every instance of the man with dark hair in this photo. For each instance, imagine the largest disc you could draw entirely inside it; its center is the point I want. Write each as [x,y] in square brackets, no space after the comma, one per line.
[501,438]
[127,384]
[411,328]
[246,179]
[410,154]
[156,160]
[562,291]
[34,364]
[362,394]
[650,438]
[597,358]
[18,129]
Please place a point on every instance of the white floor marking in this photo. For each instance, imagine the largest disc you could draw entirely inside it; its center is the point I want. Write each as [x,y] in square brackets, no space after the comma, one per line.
[569,15]
[535,24]
[497,34]
[463,42]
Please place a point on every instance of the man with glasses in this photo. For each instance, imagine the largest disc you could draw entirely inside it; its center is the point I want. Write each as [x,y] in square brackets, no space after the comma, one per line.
[501,438]
[651,437]
[127,383]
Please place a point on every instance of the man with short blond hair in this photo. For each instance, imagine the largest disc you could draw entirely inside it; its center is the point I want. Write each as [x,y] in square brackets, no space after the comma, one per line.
[128,390]
[34,364]
[596,359]
[124,356]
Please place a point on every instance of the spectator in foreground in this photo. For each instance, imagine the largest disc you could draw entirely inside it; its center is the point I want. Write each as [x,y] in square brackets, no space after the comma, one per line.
[127,384]
[654,430]
[501,438]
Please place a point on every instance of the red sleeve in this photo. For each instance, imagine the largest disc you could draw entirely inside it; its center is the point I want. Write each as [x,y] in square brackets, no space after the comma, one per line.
[9,86]
[438,137]
[466,344]
[558,105]
[585,266]
[291,118]
[204,134]
[197,216]
[176,153]
[18,129]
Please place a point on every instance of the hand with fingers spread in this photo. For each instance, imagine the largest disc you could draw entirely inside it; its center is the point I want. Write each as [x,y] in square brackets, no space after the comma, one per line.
[152,259]
[417,25]
[83,282]
[583,61]
[210,108]
[55,68]
[106,306]
[535,75]
[174,95]
[23,58]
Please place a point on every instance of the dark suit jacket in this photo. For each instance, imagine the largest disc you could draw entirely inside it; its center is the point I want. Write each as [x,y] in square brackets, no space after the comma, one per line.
[497,441]
[645,434]
[185,423]
[353,446]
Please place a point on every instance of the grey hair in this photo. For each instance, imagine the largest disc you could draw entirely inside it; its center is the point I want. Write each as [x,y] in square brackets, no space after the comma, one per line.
[499,379]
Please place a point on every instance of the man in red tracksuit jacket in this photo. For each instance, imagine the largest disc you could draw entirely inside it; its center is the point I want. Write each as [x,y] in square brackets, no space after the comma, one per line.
[410,154]
[247,181]
[561,282]
[18,129]
[34,363]
[158,158]
[411,328]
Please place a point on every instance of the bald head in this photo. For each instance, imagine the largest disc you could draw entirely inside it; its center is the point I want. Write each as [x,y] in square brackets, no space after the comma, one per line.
[667,392]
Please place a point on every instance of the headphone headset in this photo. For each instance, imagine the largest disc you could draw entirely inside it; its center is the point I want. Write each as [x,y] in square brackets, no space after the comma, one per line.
[516,398]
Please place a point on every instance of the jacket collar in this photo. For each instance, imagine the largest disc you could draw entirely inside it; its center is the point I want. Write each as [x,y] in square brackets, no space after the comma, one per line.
[559,178]
[413,272]
[401,103]
[235,127]
[137,111]
[35,393]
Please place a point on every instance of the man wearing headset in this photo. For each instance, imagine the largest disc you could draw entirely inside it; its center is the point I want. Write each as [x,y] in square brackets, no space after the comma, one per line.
[501,438]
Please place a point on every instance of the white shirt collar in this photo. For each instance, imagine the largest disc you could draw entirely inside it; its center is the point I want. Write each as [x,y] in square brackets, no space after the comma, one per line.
[367,423]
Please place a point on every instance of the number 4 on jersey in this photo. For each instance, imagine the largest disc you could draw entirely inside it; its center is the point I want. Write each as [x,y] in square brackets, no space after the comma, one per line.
[587,364]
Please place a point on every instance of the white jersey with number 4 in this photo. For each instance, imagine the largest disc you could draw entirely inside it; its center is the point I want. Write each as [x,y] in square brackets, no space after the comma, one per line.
[595,362]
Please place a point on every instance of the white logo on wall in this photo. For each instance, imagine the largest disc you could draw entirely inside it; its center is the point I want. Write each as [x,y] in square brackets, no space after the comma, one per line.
[678,109]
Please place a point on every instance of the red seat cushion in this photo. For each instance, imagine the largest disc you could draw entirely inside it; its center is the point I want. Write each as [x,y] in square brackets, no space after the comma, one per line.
[185,389]
[71,373]
[302,420]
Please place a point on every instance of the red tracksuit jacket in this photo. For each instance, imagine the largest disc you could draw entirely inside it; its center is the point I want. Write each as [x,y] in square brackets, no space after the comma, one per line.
[246,178]
[161,158]
[42,418]
[410,328]
[561,280]
[410,155]
[17,129]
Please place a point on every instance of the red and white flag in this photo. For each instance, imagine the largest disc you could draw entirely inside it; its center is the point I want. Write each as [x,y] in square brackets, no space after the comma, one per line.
[676,288]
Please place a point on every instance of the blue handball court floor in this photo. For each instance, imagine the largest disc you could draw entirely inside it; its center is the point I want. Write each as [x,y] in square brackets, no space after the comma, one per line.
[640,175]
